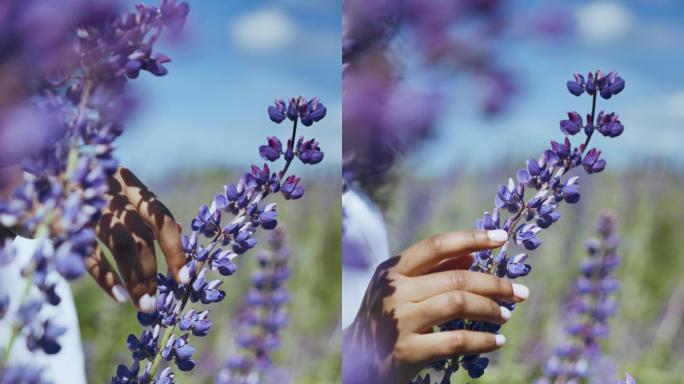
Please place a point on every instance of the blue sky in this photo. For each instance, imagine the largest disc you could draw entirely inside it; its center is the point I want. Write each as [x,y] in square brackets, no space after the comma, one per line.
[238,55]
[235,57]
[642,40]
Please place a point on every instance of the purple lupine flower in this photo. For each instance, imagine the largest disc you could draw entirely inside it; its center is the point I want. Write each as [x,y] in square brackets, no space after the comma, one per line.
[628,379]
[277,113]
[529,217]
[68,98]
[592,163]
[385,115]
[573,125]
[262,317]
[272,150]
[609,125]
[4,305]
[245,203]
[309,153]
[19,374]
[589,307]
[607,84]
[291,189]
[180,352]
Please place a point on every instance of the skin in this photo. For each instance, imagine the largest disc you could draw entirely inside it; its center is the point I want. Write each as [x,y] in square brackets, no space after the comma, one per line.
[133,220]
[391,338]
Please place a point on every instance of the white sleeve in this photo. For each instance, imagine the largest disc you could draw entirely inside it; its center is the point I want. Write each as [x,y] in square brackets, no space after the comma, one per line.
[364,247]
[66,367]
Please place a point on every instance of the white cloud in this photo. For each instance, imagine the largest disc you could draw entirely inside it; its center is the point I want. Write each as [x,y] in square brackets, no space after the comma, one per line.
[674,106]
[603,21]
[263,30]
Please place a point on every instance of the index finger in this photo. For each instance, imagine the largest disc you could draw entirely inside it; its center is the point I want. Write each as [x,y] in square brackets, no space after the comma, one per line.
[159,218]
[425,255]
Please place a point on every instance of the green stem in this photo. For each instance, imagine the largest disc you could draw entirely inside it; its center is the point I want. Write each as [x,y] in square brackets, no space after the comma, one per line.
[41,233]
[157,358]
[14,332]
[167,333]
[74,152]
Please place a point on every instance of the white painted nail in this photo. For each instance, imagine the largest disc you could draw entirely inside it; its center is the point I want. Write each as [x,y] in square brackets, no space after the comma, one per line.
[497,235]
[500,340]
[184,275]
[120,293]
[520,291]
[505,313]
[147,303]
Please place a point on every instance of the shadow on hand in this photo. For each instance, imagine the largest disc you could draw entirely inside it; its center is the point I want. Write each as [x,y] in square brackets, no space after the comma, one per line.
[374,333]
[155,209]
[130,240]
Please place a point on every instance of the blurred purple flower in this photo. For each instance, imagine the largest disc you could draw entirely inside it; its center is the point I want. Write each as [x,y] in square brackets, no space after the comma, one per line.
[64,67]
[262,316]
[588,308]
[384,114]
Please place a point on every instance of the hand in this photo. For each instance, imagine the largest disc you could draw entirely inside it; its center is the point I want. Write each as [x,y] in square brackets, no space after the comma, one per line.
[132,220]
[391,339]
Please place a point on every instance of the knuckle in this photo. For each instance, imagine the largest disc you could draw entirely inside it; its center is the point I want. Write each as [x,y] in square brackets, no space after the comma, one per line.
[457,301]
[458,279]
[477,237]
[495,309]
[458,342]
[504,286]
[435,243]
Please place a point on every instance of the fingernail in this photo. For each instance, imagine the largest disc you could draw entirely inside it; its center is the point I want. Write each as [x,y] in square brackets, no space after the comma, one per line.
[500,340]
[520,291]
[505,313]
[120,293]
[147,303]
[184,275]
[497,235]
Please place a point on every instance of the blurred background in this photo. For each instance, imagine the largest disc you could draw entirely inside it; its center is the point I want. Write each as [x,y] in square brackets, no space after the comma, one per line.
[199,128]
[477,133]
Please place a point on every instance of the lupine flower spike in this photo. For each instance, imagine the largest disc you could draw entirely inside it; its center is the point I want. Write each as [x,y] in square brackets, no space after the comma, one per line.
[226,238]
[263,314]
[78,90]
[549,175]
[589,308]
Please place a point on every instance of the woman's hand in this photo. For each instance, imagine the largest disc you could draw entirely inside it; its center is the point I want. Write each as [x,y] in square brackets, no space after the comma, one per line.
[131,222]
[391,338]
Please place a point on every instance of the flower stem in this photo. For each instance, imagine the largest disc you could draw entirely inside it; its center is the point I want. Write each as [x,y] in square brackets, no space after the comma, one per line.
[593,114]
[287,163]
[218,238]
